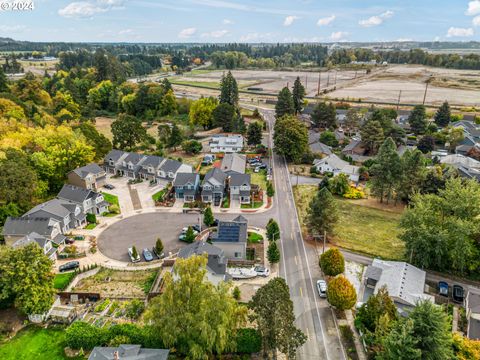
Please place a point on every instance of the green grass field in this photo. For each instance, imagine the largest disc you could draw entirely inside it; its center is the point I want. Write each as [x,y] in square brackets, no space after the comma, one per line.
[254,238]
[205,84]
[35,343]
[259,178]
[61,281]
[360,228]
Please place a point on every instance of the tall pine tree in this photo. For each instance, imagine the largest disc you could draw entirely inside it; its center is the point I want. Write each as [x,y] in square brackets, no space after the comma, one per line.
[417,120]
[322,212]
[443,115]
[284,105]
[298,94]
[325,116]
[229,90]
[3,81]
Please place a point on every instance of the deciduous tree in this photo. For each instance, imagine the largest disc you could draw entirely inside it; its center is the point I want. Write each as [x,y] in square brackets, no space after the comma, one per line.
[201,112]
[341,293]
[290,137]
[332,262]
[127,132]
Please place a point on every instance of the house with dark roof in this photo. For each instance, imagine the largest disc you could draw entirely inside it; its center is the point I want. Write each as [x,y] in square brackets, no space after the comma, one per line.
[17,228]
[67,213]
[217,262]
[147,167]
[472,307]
[90,176]
[240,187]
[40,240]
[233,163]
[91,202]
[186,186]
[231,237]
[128,352]
[213,186]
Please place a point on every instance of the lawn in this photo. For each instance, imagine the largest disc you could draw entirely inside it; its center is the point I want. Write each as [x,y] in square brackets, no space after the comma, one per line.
[205,84]
[61,281]
[360,228]
[112,199]
[256,205]
[158,196]
[36,343]
[254,238]
[259,178]
[91,226]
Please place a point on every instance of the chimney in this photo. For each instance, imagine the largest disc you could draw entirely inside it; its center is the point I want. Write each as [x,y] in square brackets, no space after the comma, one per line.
[115,355]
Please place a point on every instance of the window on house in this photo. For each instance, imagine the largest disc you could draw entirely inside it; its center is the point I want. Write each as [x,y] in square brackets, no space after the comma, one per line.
[238,255]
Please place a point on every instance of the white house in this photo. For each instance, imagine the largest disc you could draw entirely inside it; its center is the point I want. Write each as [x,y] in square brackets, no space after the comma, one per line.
[226,143]
[333,164]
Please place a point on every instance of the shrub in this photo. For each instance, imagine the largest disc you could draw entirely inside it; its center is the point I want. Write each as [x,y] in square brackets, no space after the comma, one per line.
[192,147]
[133,332]
[273,230]
[159,246]
[91,218]
[134,309]
[81,335]
[354,193]
[341,293]
[114,209]
[332,262]
[236,293]
[249,341]
[119,340]
[339,185]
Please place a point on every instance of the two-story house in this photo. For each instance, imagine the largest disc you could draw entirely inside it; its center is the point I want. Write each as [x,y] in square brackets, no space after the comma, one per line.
[213,186]
[90,176]
[33,238]
[186,186]
[91,202]
[240,187]
[17,228]
[231,237]
[226,143]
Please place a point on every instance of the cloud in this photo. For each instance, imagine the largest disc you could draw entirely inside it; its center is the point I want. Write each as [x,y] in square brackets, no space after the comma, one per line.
[215,34]
[289,20]
[436,38]
[12,28]
[404,39]
[256,37]
[473,8]
[227,22]
[125,32]
[338,35]
[476,21]
[326,20]
[186,33]
[87,9]
[459,32]
[376,20]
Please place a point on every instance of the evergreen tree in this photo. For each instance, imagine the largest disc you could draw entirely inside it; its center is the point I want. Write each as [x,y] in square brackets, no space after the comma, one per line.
[175,139]
[223,116]
[159,247]
[372,136]
[254,133]
[413,174]
[426,144]
[273,254]
[275,320]
[352,120]
[400,343]
[273,230]
[167,86]
[3,81]
[322,212]
[228,90]
[417,120]
[208,218]
[325,116]
[284,105]
[377,305]
[298,94]
[386,171]
[189,235]
[270,189]
[443,115]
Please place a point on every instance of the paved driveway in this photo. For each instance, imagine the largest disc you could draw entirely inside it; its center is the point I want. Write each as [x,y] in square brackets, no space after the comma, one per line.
[143,230]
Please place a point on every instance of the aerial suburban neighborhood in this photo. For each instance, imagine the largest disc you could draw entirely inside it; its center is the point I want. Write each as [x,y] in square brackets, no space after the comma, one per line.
[239,180]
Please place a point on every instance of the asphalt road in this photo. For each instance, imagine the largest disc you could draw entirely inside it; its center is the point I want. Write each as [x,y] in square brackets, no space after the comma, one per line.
[299,268]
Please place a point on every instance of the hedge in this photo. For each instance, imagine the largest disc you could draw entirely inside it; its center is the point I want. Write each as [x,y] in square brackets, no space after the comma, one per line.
[249,341]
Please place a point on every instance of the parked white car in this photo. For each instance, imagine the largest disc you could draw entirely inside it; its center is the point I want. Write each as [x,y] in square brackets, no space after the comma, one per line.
[262,271]
[322,288]
[133,259]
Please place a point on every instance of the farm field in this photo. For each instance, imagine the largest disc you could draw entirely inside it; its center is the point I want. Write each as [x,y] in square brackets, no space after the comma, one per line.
[361,228]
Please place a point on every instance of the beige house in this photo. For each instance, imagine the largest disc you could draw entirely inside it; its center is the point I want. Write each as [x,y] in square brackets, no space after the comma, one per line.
[91,177]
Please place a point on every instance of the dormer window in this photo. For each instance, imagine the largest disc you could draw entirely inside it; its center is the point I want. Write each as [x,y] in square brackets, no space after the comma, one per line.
[150,170]
[124,164]
[111,162]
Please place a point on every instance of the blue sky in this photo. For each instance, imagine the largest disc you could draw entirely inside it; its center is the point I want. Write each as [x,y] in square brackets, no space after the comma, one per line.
[244,20]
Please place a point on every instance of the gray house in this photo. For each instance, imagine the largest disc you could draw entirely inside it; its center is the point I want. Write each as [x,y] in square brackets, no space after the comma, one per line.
[186,186]
[17,228]
[234,163]
[91,176]
[42,241]
[240,187]
[128,352]
[213,186]
[472,307]
[231,237]
[217,262]
[91,202]
[147,167]
[67,213]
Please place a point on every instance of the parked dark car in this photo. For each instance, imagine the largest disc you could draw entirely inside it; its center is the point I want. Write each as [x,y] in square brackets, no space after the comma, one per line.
[147,254]
[215,222]
[458,294]
[196,227]
[69,241]
[443,288]
[262,166]
[109,186]
[71,265]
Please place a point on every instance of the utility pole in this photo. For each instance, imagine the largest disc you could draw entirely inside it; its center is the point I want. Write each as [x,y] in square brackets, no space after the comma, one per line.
[328,78]
[324,240]
[426,89]
[335,81]
[398,102]
[306,83]
[319,77]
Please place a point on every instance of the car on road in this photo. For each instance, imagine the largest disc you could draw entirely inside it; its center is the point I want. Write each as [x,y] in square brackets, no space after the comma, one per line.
[443,288]
[322,288]
[262,271]
[132,258]
[147,254]
[71,265]
[458,294]
[109,186]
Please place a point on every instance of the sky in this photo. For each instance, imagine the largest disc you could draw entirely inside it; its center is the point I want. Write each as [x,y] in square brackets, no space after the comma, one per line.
[250,21]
